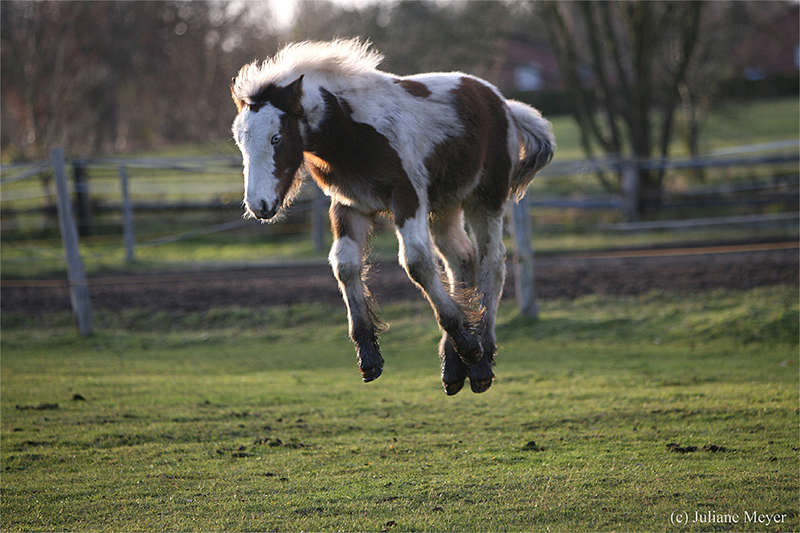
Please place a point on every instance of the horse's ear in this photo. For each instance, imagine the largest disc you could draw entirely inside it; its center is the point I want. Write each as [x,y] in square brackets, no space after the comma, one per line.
[293,97]
[236,100]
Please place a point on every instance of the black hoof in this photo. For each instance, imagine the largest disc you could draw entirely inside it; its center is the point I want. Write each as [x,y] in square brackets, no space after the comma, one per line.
[481,375]
[479,386]
[454,371]
[371,373]
[452,388]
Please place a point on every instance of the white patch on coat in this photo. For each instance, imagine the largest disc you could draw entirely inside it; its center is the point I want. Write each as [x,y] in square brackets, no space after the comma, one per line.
[253,131]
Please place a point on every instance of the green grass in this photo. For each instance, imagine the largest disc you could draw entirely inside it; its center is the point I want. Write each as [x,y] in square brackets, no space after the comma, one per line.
[737,123]
[237,419]
[730,124]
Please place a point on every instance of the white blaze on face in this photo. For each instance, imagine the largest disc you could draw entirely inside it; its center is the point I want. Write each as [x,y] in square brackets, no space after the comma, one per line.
[254,132]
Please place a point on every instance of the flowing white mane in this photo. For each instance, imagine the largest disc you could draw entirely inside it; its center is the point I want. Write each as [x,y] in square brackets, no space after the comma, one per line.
[347,57]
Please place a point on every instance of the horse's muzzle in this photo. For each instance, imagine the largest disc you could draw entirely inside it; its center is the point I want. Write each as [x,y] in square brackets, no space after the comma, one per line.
[261,210]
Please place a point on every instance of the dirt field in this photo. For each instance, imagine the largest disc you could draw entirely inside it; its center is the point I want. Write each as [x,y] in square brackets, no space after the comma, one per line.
[557,276]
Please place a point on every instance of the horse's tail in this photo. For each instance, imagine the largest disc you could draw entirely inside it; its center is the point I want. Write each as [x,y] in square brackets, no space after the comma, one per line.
[537,144]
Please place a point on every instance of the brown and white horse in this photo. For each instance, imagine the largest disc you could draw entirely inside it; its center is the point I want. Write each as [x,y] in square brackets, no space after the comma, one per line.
[439,152]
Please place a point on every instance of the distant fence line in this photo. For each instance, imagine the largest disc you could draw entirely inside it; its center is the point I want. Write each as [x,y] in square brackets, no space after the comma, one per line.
[317,203]
[628,168]
[625,200]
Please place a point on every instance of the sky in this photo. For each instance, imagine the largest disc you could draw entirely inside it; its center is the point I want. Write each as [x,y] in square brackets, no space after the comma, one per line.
[284,10]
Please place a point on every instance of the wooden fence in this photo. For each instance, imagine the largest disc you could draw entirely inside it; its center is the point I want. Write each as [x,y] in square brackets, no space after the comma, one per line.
[625,201]
[90,203]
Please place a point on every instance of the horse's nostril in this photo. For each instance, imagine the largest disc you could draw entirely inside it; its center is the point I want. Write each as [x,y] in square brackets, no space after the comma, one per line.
[262,210]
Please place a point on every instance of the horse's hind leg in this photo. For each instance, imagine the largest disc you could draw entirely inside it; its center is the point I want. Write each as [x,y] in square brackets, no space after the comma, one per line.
[487,229]
[416,257]
[458,255]
[351,231]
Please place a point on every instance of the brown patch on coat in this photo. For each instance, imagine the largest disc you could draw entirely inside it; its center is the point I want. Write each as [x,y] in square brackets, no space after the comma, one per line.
[288,156]
[414,88]
[354,159]
[341,225]
[480,153]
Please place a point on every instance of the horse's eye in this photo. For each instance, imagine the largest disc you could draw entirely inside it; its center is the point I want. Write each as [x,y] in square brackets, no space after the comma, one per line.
[275,139]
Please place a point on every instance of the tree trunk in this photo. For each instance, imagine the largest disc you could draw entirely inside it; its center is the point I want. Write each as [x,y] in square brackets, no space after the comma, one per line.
[622,63]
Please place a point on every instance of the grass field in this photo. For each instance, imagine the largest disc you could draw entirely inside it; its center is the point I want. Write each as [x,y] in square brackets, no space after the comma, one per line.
[237,419]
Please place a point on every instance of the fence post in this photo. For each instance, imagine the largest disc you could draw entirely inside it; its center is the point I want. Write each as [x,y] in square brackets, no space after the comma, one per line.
[127,216]
[76,276]
[83,209]
[318,219]
[630,189]
[523,258]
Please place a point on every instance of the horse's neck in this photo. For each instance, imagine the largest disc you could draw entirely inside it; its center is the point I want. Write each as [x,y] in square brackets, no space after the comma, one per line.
[354,89]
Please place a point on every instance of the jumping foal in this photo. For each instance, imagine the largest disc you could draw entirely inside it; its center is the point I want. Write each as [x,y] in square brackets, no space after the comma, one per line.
[441,153]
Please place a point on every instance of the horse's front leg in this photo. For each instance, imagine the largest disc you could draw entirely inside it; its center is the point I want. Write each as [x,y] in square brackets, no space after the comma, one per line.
[350,233]
[417,259]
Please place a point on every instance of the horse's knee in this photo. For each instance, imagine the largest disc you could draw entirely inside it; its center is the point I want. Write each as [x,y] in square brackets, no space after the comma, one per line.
[418,264]
[345,260]
[421,272]
[347,273]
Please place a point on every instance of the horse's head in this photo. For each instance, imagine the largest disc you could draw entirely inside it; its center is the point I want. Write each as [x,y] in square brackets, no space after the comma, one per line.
[267,131]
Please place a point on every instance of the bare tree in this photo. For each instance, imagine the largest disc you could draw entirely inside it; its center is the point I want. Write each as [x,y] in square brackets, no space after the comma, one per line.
[416,36]
[623,64]
[104,76]
[108,76]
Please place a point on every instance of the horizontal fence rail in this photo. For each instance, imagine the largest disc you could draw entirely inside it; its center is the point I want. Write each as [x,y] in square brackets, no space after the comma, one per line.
[183,186]
[164,185]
